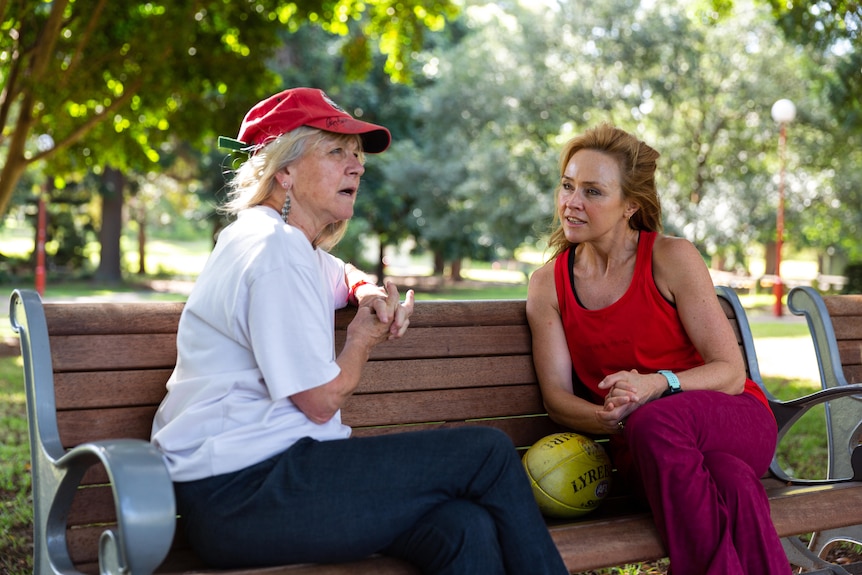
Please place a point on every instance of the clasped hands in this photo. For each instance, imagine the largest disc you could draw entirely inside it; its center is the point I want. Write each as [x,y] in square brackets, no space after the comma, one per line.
[627,390]
[389,309]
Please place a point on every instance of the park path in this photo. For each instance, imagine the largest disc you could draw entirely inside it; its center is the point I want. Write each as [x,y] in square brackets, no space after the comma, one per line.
[787,357]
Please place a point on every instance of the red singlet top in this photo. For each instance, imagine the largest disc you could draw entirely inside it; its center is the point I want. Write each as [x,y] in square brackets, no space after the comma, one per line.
[642,330]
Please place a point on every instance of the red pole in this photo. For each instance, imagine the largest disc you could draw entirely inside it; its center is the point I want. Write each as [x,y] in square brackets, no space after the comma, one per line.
[40,247]
[778,288]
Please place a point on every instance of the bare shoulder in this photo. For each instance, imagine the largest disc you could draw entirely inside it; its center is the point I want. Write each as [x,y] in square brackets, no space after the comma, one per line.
[672,247]
[677,254]
[541,291]
[544,274]
[679,268]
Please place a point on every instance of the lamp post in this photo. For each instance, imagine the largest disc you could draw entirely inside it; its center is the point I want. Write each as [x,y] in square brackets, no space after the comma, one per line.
[44,143]
[783,112]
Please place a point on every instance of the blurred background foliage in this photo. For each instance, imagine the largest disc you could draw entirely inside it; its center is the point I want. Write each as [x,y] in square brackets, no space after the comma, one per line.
[110,111]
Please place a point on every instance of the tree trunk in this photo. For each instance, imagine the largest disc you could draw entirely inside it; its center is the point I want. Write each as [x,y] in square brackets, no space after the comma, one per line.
[439,264]
[455,270]
[113,186]
[380,265]
[769,258]
[141,213]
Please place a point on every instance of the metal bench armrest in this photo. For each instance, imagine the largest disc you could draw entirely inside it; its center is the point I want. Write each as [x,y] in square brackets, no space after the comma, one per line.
[143,500]
[842,418]
[142,489]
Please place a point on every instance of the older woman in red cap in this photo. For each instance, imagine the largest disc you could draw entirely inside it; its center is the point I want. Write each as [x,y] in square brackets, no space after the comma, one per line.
[264,470]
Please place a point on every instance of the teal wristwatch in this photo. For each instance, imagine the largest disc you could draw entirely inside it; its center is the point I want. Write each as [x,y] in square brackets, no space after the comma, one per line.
[672,382]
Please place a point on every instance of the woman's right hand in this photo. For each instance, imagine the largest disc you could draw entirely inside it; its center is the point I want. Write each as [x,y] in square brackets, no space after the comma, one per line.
[384,318]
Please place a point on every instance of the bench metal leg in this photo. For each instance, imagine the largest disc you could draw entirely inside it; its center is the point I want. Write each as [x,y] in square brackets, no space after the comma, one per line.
[822,540]
[800,556]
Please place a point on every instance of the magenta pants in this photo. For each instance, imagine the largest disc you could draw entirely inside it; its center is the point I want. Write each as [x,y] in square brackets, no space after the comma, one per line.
[699,456]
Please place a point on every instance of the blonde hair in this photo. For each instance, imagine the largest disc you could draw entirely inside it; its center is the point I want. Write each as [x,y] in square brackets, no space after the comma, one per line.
[254,181]
[637,162]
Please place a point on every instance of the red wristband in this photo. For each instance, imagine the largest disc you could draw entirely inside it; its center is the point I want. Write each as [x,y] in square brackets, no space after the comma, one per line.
[352,293]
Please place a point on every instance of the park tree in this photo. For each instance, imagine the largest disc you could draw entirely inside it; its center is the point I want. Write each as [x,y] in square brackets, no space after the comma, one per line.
[504,97]
[832,30]
[308,57]
[485,166]
[699,86]
[111,84]
[825,37]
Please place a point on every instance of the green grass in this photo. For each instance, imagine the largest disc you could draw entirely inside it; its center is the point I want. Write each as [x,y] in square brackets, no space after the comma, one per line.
[16,505]
[764,329]
[472,292]
[803,451]
[72,290]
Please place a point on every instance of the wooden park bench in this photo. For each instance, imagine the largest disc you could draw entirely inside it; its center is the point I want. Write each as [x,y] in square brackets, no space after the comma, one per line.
[95,374]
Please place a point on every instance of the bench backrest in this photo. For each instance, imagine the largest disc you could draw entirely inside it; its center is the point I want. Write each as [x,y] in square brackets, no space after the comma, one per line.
[845,312]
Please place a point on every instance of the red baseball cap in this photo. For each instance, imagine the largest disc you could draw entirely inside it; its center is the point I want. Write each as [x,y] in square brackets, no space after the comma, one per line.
[297,107]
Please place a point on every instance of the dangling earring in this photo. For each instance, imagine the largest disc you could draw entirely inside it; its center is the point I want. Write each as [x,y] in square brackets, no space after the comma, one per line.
[285,208]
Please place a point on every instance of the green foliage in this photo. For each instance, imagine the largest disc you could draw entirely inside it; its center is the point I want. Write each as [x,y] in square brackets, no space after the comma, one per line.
[854,278]
[110,83]
[477,130]
[803,451]
[833,29]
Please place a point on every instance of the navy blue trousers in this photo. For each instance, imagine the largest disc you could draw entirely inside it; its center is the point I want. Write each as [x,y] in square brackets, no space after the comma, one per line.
[450,501]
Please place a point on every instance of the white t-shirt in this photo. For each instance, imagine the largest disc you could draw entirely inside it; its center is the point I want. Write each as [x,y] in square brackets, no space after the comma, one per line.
[257,328]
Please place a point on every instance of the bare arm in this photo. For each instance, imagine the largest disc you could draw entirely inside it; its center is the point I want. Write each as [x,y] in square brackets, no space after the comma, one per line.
[365,331]
[683,278]
[553,362]
[680,268]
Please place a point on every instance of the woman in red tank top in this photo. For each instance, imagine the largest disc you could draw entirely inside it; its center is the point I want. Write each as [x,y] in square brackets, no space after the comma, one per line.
[629,339]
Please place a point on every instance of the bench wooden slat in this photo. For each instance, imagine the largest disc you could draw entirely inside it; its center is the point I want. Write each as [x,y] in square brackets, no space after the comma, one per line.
[456,313]
[80,426]
[186,563]
[850,352]
[113,352]
[85,425]
[101,389]
[113,318]
[523,431]
[853,373]
[590,542]
[429,406]
[79,390]
[842,305]
[395,375]
[801,509]
[426,342]
[593,542]
[847,328]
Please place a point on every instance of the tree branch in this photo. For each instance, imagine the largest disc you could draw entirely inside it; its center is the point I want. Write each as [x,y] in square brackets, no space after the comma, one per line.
[82,130]
[46,42]
[85,40]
